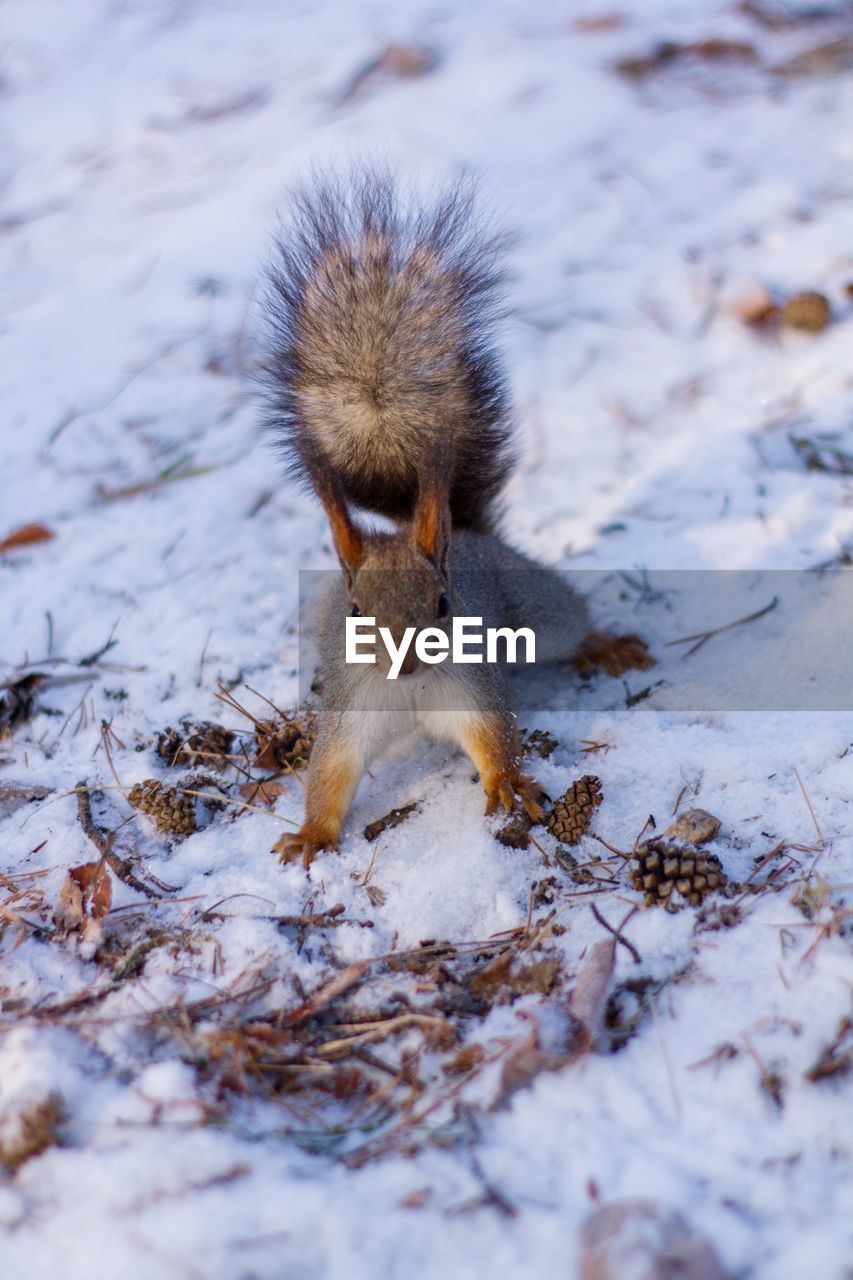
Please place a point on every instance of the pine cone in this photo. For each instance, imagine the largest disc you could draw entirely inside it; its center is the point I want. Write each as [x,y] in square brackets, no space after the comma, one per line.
[667,870]
[285,742]
[173,814]
[572,813]
[201,744]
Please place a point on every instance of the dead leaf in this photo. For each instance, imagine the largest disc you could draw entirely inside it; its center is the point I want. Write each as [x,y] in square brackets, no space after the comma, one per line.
[648,1240]
[836,1058]
[468,1057]
[668,52]
[753,304]
[265,792]
[38,1128]
[376,895]
[416,1199]
[397,60]
[554,1044]
[68,912]
[504,979]
[84,899]
[26,536]
[593,23]
[823,60]
[589,994]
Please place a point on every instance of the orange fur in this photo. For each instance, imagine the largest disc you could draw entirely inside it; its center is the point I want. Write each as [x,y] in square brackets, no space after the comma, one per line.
[348,539]
[428,525]
[331,782]
[496,757]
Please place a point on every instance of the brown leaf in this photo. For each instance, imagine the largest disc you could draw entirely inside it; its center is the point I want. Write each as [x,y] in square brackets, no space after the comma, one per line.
[823,60]
[523,1065]
[836,1058]
[397,60]
[38,1128]
[68,912]
[589,994]
[487,982]
[86,895]
[100,896]
[540,1049]
[468,1057]
[408,59]
[593,23]
[754,305]
[647,1239]
[26,536]
[416,1199]
[264,792]
[503,978]
[668,52]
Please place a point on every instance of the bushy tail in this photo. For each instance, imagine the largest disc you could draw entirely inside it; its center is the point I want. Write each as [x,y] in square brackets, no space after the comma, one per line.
[380,366]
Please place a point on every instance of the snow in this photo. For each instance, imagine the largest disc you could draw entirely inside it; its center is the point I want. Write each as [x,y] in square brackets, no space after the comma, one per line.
[144,152]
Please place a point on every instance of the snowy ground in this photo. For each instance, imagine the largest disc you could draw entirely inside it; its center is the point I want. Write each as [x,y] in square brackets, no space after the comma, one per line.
[144,149]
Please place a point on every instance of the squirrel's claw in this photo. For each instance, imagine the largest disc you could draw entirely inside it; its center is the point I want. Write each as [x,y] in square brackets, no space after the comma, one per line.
[518,786]
[613,654]
[306,842]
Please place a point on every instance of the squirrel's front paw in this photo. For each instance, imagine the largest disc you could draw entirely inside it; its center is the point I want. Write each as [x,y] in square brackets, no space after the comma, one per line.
[516,786]
[613,654]
[305,843]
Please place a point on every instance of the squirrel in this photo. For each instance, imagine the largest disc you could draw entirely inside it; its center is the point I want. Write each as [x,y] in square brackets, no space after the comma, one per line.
[385,392]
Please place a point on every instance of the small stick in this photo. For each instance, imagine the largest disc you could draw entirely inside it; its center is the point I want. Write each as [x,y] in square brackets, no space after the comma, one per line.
[702,637]
[811,810]
[537,845]
[620,853]
[330,919]
[617,932]
[203,659]
[105,740]
[103,842]
[240,804]
[95,657]
[230,701]
[670,1075]
[329,991]
[265,699]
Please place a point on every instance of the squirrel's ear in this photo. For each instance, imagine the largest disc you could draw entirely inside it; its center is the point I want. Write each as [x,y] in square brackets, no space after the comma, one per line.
[431,525]
[348,539]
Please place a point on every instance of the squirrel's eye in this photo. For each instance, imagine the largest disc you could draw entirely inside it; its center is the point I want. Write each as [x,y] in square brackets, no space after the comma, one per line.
[355,612]
[442,609]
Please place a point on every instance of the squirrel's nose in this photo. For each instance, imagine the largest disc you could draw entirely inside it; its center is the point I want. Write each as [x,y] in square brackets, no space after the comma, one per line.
[410,664]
